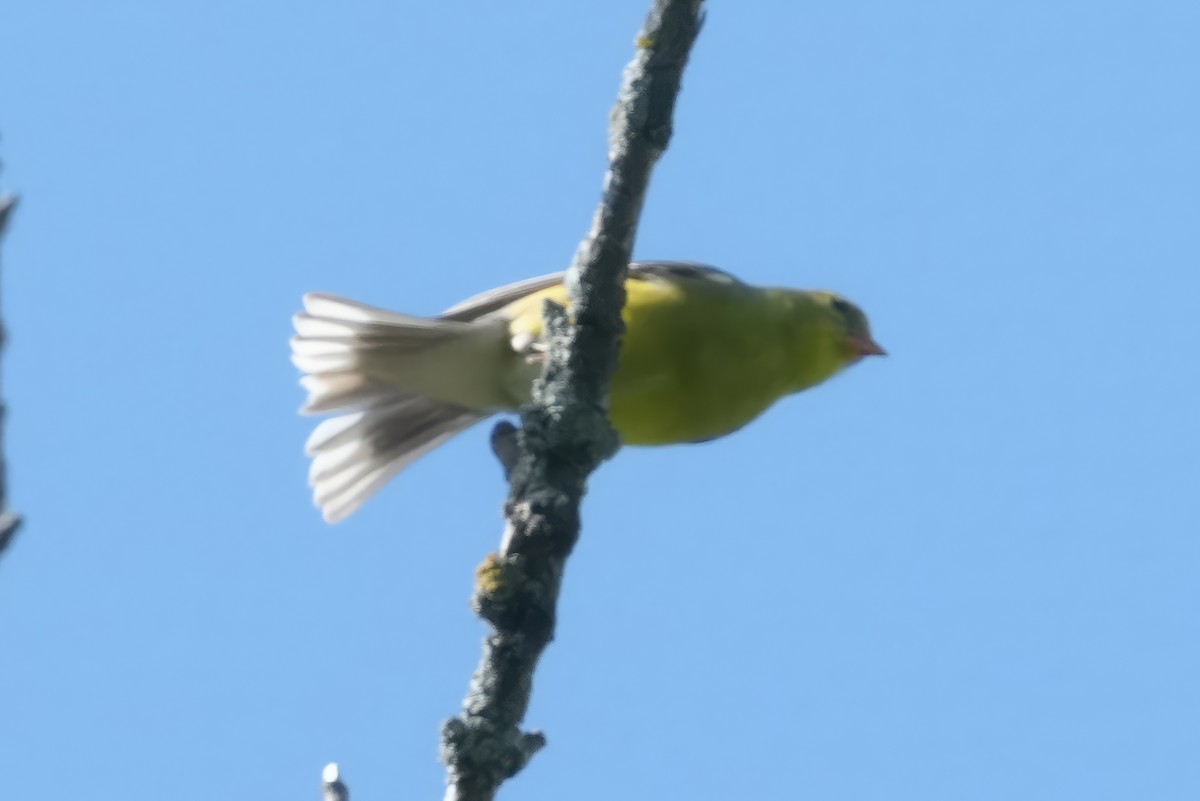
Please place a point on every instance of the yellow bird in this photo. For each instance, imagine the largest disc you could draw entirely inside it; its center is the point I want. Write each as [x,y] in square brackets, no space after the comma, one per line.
[703,354]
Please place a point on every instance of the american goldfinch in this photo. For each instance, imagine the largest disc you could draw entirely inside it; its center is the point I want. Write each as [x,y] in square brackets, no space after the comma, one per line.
[703,354]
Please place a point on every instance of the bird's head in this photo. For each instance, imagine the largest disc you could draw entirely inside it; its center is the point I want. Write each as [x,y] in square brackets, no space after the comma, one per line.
[830,332]
[852,333]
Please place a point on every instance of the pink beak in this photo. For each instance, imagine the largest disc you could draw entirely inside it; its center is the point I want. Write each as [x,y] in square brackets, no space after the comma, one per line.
[865,346]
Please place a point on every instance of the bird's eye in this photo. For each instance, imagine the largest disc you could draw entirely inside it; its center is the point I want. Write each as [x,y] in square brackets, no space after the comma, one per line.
[842,307]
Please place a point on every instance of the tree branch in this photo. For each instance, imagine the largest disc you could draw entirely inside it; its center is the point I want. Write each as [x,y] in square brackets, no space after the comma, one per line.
[565,433]
[10,522]
[332,788]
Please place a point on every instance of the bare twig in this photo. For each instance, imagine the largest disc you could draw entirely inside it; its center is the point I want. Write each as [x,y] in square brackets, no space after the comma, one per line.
[10,522]
[565,433]
[332,788]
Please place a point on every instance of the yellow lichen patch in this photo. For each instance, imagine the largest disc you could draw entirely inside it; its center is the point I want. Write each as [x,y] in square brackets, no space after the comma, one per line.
[489,576]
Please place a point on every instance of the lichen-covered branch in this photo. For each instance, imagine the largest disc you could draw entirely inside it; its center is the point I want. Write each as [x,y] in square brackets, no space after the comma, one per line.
[9,520]
[565,433]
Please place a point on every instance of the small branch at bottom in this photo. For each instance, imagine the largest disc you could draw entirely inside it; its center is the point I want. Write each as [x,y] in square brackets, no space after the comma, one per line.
[332,788]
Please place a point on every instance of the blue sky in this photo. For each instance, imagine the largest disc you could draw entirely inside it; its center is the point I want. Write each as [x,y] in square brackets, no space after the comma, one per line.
[968,571]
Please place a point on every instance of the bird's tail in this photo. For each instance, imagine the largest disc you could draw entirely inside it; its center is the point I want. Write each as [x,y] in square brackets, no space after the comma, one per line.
[404,386]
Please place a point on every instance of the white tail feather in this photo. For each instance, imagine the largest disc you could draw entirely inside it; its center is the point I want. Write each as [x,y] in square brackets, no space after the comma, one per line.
[332,307]
[333,432]
[378,366]
[344,389]
[358,453]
